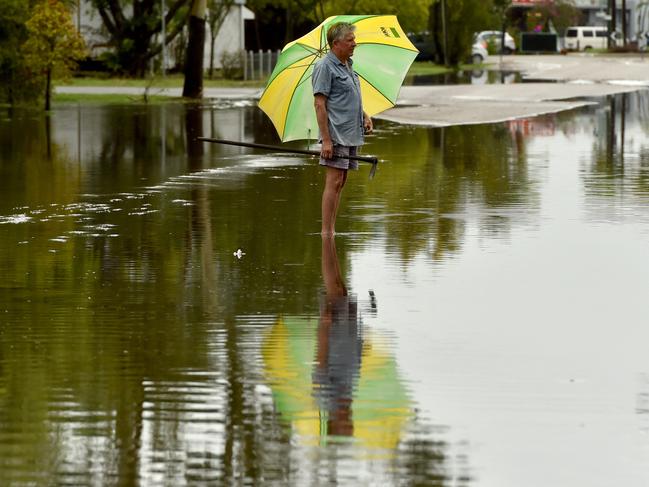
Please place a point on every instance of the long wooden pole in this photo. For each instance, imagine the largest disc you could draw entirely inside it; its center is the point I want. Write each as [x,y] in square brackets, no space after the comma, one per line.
[371,159]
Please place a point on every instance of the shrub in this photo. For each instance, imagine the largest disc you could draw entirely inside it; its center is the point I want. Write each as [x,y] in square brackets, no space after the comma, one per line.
[232,64]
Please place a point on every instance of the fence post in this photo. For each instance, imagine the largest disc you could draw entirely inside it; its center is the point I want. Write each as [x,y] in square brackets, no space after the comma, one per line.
[270,61]
[261,62]
[251,58]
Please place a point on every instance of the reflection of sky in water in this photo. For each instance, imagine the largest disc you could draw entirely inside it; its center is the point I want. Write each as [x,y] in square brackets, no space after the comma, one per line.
[509,267]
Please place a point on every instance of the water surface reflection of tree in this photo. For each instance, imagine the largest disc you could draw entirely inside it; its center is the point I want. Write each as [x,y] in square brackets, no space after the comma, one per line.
[619,166]
[106,330]
[436,180]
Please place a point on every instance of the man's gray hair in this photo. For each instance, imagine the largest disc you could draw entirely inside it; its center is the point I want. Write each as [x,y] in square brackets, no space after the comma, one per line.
[338,31]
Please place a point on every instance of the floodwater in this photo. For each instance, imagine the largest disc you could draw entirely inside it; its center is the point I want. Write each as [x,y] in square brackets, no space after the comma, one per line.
[169,314]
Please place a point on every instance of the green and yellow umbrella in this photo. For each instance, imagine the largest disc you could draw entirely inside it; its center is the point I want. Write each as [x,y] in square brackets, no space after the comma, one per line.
[380,404]
[382,58]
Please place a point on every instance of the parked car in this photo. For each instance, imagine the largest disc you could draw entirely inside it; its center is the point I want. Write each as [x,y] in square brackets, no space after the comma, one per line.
[585,38]
[494,37]
[479,52]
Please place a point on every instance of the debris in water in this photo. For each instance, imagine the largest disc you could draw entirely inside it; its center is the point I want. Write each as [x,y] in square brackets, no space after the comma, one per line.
[239,253]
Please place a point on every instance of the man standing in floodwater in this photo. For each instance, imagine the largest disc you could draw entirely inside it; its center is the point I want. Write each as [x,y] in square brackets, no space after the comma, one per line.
[341,119]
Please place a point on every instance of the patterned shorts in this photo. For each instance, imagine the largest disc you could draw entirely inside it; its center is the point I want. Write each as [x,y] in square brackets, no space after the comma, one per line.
[340,159]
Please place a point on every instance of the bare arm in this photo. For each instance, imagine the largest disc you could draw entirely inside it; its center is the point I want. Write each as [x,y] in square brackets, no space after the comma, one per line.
[320,102]
[368,126]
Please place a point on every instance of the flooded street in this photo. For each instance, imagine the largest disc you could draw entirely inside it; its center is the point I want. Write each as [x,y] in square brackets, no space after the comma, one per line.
[170,315]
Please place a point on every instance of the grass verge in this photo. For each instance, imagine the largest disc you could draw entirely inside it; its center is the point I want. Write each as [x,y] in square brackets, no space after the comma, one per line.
[169,81]
[114,99]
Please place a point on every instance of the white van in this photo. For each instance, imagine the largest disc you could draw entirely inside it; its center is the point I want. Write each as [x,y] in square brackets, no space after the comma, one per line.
[586,38]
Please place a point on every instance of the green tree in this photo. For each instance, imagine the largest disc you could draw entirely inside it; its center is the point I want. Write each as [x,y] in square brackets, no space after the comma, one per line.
[13,33]
[298,16]
[463,18]
[54,46]
[134,25]
[293,14]
[412,14]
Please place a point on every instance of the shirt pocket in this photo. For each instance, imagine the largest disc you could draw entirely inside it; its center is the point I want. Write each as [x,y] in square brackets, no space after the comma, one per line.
[342,79]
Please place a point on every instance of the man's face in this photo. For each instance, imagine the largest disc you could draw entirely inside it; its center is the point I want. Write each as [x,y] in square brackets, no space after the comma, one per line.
[346,45]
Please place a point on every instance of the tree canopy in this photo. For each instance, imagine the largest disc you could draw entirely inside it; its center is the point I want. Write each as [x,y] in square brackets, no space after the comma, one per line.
[412,14]
[54,46]
[37,40]
[462,20]
[13,32]
[134,26]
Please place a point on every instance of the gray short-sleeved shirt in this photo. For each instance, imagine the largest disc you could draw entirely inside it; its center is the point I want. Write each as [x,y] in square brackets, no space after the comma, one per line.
[342,88]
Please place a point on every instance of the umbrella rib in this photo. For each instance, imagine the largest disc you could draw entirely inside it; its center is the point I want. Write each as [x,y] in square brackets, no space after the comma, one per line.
[312,50]
[299,83]
[372,85]
[303,77]
[293,65]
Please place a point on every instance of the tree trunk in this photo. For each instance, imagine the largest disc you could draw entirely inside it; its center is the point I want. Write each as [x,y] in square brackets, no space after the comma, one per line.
[193,87]
[288,34]
[48,89]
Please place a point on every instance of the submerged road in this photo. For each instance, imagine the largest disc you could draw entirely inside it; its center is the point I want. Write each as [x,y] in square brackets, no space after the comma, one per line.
[554,83]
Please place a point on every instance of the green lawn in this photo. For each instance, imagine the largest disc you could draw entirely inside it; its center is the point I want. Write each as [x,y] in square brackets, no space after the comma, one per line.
[114,99]
[176,80]
[169,81]
[424,67]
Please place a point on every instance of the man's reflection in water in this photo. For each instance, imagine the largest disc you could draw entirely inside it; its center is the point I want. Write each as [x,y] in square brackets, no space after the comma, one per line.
[340,344]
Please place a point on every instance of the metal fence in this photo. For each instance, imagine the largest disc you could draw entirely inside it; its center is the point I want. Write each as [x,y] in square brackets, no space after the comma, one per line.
[259,64]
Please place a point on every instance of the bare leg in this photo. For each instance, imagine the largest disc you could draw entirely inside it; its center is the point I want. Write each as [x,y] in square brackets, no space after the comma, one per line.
[334,182]
[339,195]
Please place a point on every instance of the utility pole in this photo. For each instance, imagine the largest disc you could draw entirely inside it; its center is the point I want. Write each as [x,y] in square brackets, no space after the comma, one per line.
[624,26]
[609,40]
[613,24]
[444,34]
[164,38]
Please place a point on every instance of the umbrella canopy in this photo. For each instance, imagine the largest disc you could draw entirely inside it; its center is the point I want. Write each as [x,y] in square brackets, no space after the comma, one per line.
[379,404]
[382,58]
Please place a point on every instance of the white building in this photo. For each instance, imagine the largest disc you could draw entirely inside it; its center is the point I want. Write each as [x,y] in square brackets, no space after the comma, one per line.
[231,36]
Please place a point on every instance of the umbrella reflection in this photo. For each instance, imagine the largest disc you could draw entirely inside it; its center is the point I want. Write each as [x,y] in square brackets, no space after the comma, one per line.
[331,376]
